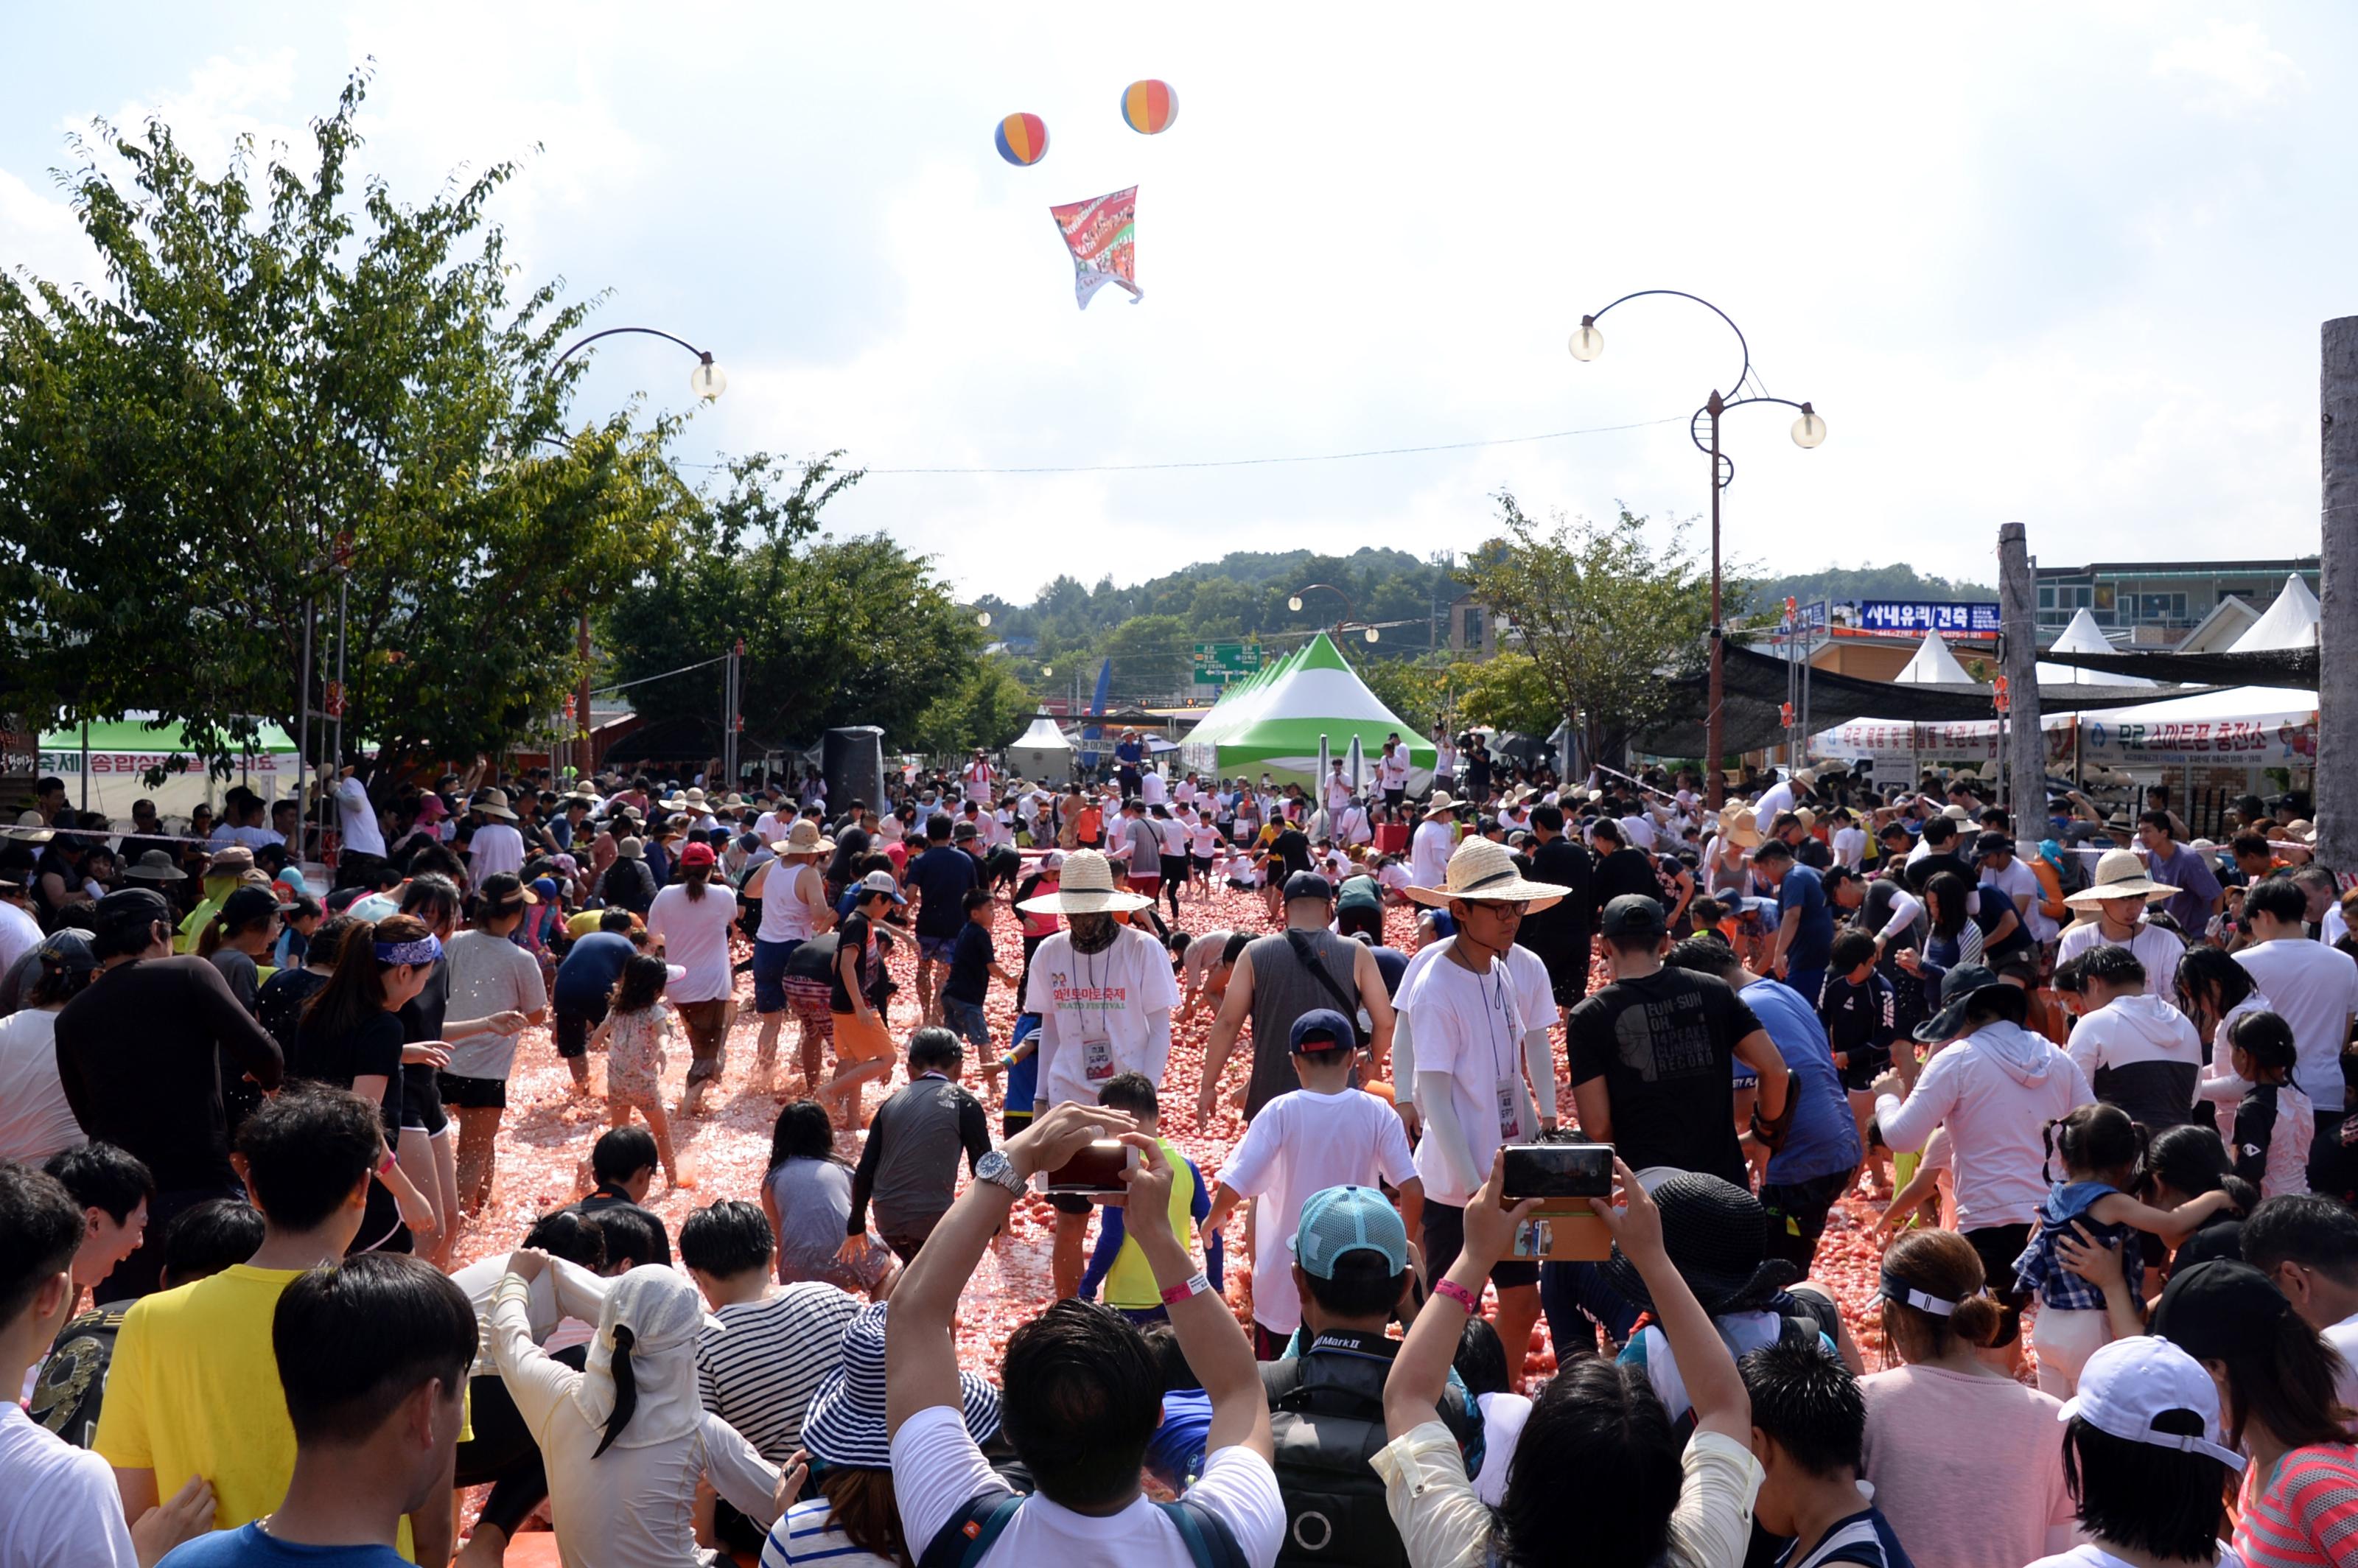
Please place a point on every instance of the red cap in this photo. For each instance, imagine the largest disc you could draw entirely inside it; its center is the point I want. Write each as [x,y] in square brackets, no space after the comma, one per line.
[697,855]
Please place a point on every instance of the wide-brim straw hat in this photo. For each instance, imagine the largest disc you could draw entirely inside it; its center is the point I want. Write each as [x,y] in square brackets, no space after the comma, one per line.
[1087,888]
[803,839]
[29,828]
[1741,827]
[1440,803]
[1481,871]
[2120,874]
[492,803]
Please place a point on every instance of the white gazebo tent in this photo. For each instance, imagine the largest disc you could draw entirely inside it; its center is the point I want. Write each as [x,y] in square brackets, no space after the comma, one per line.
[1041,753]
[2255,725]
[2083,636]
[1934,664]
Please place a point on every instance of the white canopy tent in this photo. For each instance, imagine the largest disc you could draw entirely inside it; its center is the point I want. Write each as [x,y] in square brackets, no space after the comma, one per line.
[1042,752]
[2083,636]
[1934,664]
[2256,726]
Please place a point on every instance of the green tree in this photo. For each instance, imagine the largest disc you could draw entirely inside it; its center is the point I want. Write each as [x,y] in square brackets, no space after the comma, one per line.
[1415,689]
[1614,627]
[987,706]
[1153,656]
[280,373]
[1506,691]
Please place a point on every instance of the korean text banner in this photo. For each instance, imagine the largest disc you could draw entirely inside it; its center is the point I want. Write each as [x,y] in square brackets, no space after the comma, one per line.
[1907,615]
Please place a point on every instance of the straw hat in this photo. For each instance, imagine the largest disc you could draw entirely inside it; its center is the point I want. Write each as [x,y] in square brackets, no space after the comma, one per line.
[1087,889]
[30,829]
[228,860]
[1809,818]
[2120,874]
[1740,826]
[1440,804]
[492,803]
[803,839]
[1481,871]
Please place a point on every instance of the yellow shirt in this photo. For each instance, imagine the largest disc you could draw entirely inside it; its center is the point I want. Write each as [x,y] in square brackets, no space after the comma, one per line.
[583,924]
[1130,1283]
[193,1391]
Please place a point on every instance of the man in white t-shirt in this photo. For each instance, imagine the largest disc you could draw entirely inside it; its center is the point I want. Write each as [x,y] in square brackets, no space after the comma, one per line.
[357,826]
[1324,1134]
[2315,990]
[1391,773]
[1104,992]
[496,846]
[1429,846]
[1849,845]
[1083,1390]
[978,776]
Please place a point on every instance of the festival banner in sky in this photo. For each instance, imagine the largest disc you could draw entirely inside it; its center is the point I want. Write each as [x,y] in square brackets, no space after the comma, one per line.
[1102,235]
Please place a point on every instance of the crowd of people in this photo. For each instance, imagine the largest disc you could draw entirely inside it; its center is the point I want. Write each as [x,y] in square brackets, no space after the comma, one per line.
[2089,1095]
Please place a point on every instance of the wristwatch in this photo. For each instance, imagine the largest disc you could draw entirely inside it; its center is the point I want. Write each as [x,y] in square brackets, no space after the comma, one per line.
[999,1170]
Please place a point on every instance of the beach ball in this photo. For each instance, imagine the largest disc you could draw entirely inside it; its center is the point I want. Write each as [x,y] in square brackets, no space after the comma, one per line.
[1023,139]
[1149,106]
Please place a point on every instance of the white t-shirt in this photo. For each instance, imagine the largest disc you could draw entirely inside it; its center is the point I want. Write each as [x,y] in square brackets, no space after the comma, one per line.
[1204,840]
[695,936]
[1849,846]
[1639,829]
[1393,875]
[2316,990]
[496,848]
[2158,950]
[2018,883]
[2088,1554]
[1392,769]
[978,777]
[1150,788]
[1503,1416]
[769,827]
[490,974]
[2343,1337]
[64,1512]
[1469,1026]
[1775,800]
[356,819]
[1428,853]
[1303,1143]
[937,1470]
[1094,1024]
[35,1119]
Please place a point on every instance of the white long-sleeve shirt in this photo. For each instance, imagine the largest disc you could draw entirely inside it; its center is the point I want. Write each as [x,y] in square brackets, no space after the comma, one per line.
[1995,1090]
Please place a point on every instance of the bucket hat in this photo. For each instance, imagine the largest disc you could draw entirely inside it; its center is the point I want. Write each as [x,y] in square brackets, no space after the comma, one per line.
[845,1424]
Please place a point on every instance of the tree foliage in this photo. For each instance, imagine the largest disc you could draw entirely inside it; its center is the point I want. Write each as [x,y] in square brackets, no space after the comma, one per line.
[1506,691]
[851,631]
[277,363]
[986,706]
[1614,627]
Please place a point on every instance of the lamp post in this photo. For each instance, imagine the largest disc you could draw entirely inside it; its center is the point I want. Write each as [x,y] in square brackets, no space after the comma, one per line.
[707,382]
[1293,602]
[1808,430]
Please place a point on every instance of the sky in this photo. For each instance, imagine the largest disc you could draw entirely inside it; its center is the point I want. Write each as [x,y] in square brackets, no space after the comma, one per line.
[2064,264]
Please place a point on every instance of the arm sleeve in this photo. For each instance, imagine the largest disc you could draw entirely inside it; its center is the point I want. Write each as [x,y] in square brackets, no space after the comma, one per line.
[1907,1124]
[1111,1235]
[1540,1059]
[2256,1127]
[1441,1121]
[1158,1041]
[745,1480]
[863,1178]
[537,1384]
[1905,908]
[249,1045]
[974,1130]
[1403,1058]
[1049,1037]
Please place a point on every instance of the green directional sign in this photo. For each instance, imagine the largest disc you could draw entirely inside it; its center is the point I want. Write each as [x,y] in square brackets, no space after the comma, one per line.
[1217,663]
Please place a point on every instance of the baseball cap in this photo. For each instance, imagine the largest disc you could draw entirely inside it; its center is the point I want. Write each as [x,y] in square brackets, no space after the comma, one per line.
[124,905]
[697,854]
[1337,1221]
[1632,915]
[1320,1029]
[2214,1309]
[2128,1384]
[881,881]
[1308,884]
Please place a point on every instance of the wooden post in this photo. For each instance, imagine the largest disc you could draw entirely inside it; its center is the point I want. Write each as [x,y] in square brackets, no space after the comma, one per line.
[2337,628]
[2019,625]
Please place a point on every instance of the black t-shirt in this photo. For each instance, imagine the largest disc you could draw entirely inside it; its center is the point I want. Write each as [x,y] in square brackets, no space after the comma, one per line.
[372,1048]
[815,959]
[281,1003]
[2219,1237]
[970,960]
[941,876]
[422,1017]
[1292,849]
[851,846]
[1663,1045]
[1627,870]
[1554,932]
[853,937]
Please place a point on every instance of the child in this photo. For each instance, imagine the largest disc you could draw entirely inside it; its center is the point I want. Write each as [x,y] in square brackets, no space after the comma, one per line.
[2101,1151]
[1856,1009]
[2273,1121]
[1243,874]
[294,937]
[1809,1429]
[973,966]
[909,1164]
[1324,1134]
[1394,878]
[1022,1065]
[1040,924]
[633,1036]
[1119,1262]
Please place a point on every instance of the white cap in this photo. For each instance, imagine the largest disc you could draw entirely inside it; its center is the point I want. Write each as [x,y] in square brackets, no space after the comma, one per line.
[2130,1382]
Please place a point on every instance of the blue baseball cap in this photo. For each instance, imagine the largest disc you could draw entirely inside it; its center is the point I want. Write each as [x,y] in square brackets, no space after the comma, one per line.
[1322,1029]
[1349,1219]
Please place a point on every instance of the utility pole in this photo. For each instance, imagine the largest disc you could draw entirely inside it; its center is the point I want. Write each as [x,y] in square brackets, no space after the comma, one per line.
[2337,627]
[2026,749]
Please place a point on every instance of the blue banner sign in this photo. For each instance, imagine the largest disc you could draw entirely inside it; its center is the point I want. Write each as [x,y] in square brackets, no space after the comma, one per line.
[1916,615]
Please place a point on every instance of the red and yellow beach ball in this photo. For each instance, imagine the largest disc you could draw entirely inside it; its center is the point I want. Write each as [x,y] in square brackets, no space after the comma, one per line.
[1023,139]
[1149,106]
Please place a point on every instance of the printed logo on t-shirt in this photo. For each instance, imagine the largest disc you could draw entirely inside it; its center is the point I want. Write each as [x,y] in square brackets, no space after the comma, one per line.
[1666,1037]
[1067,997]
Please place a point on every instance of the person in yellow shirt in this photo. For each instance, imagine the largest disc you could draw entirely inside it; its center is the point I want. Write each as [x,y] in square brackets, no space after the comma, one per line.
[194,1389]
[1118,1262]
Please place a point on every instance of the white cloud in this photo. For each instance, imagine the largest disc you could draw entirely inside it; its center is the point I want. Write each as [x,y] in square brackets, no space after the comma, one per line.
[2232,64]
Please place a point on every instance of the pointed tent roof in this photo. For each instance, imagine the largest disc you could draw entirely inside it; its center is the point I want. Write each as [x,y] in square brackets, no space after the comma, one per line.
[2289,623]
[1934,665]
[1274,720]
[1043,736]
[2083,636]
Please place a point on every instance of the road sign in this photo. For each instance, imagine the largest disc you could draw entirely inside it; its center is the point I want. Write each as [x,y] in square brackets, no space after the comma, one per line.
[1217,663]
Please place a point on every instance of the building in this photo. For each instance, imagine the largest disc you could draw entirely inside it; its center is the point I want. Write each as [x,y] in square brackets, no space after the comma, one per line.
[1473,627]
[2158,604]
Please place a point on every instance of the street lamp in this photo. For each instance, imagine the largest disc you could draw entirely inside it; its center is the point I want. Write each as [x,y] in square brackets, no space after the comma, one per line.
[708,381]
[1293,602]
[1808,430]
[982,617]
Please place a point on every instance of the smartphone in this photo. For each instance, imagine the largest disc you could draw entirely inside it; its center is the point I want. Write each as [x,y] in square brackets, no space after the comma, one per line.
[1558,1171]
[1095,1173]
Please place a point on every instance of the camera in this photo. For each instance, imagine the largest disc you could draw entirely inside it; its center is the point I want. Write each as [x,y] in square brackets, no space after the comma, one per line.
[1096,1174]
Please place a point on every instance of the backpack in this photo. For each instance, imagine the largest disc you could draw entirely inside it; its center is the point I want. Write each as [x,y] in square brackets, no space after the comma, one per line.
[971,1531]
[1326,1419]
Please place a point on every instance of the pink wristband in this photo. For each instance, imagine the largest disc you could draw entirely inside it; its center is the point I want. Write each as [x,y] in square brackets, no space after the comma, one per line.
[1458,1293]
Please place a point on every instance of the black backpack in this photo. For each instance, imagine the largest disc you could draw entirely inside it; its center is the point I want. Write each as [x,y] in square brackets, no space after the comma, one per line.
[1327,1418]
[971,1532]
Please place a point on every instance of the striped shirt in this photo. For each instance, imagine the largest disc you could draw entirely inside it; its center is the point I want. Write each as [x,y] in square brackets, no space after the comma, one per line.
[2305,1513]
[806,1533]
[759,1370]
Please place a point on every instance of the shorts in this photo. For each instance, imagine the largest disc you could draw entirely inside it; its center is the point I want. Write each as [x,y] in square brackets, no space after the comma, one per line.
[421,1100]
[967,1021]
[703,1020]
[770,974]
[1999,1246]
[807,1002]
[472,1093]
[1069,1202]
[858,1040]
[574,1024]
[1866,1065]
[1149,886]
[1202,864]
[1011,1122]
[1268,1344]
[1444,1239]
[1797,1215]
[935,949]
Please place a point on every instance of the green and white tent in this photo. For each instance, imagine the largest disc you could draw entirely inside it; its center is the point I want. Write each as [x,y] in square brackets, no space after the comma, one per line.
[1272,722]
[118,754]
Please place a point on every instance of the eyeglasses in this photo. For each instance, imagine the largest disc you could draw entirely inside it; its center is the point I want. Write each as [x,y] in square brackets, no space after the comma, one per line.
[1498,907]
